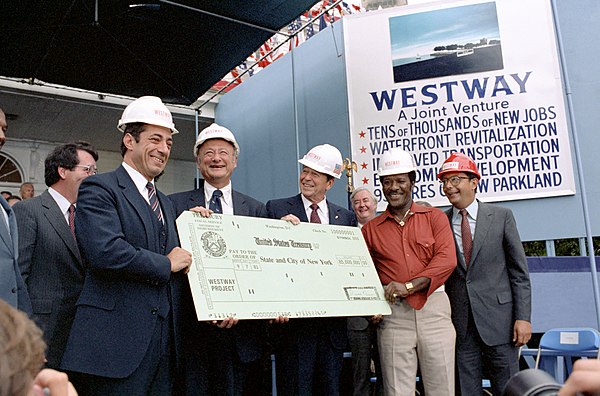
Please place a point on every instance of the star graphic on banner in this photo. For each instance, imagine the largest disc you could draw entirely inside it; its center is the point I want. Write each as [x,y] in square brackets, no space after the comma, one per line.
[361,134]
[365,180]
[363,165]
[363,150]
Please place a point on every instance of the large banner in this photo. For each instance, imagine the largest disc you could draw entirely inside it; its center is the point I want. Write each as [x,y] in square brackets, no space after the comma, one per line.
[479,77]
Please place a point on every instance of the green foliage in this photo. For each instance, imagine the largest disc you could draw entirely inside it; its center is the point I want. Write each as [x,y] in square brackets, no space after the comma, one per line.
[562,247]
[535,248]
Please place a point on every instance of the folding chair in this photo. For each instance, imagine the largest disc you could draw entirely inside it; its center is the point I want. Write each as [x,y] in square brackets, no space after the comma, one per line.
[558,346]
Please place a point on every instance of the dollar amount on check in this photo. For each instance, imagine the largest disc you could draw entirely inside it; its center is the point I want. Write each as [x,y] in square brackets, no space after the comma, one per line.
[253,268]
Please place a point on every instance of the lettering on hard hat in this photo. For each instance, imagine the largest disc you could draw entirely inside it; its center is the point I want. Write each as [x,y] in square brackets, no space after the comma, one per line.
[450,165]
[392,163]
[161,113]
[315,156]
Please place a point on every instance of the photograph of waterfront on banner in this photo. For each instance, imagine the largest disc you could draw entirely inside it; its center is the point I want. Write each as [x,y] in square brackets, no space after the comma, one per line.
[479,77]
[439,43]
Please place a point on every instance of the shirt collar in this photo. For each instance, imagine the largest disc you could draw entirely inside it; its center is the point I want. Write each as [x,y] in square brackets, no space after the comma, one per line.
[62,202]
[322,205]
[414,208]
[472,210]
[209,189]
[138,179]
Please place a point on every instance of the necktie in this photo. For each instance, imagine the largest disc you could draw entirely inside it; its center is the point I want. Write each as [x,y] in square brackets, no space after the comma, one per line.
[467,240]
[153,201]
[215,202]
[314,216]
[72,220]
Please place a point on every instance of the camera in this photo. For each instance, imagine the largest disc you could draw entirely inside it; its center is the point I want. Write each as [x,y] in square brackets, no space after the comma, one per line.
[531,382]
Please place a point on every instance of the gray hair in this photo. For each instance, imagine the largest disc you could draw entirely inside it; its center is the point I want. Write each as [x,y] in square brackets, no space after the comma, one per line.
[362,188]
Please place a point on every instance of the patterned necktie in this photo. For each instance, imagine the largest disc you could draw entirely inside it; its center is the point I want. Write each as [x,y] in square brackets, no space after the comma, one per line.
[154,201]
[467,239]
[314,216]
[72,220]
[215,202]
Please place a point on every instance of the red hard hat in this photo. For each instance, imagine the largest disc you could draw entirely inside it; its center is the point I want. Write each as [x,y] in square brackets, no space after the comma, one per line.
[458,162]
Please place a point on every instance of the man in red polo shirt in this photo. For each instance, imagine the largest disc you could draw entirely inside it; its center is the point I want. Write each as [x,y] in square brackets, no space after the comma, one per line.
[413,249]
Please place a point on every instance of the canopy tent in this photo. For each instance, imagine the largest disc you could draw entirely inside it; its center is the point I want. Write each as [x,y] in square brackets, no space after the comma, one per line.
[173,49]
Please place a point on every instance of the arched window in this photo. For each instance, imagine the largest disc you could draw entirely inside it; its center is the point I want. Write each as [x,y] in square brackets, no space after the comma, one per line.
[9,171]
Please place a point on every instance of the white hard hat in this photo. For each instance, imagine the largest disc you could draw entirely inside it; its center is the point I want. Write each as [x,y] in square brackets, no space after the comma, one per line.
[148,110]
[395,161]
[325,159]
[216,131]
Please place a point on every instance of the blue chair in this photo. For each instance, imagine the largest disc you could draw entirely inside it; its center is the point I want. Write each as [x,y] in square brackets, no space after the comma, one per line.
[558,346]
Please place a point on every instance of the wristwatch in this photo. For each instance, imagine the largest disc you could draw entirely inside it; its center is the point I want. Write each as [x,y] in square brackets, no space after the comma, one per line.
[409,287]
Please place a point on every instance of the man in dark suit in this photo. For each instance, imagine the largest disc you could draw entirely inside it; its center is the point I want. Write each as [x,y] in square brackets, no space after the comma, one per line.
[12,287]
[489,290]
[49,257]
[310,351]
[217,359]
[121,341]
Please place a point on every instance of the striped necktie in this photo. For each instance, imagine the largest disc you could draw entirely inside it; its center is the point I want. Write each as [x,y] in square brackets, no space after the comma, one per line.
[154,201]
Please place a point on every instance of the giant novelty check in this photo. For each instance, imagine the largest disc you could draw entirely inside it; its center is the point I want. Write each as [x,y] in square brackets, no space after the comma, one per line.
[253,268]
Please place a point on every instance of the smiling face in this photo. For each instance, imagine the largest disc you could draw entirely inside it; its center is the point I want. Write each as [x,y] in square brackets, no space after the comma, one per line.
[149,156]
[463,194]
[397,190]
[216,161]
[73,177]
[364,206]
[314,185]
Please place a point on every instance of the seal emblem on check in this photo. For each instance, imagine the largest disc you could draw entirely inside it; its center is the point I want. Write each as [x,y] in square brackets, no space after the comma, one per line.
[213,244]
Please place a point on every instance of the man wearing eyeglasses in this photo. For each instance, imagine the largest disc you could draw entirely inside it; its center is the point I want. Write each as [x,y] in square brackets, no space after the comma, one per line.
[220,357]
[49,257]
[489,291]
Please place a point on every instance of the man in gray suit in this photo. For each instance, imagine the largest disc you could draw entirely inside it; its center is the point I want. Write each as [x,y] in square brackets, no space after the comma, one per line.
[219,358]
[490,292]
[49,257]
[12,288]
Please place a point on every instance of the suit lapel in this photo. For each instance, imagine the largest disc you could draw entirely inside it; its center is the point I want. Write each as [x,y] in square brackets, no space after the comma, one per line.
[484,221]
[57,221]
[239,204]
[296,207]
[133,196]
[334,214]
[461,259]
[5,234]
[197,196]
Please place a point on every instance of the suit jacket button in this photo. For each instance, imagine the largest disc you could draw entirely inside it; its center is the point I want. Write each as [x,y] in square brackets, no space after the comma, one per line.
[154,311]
[14,290]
